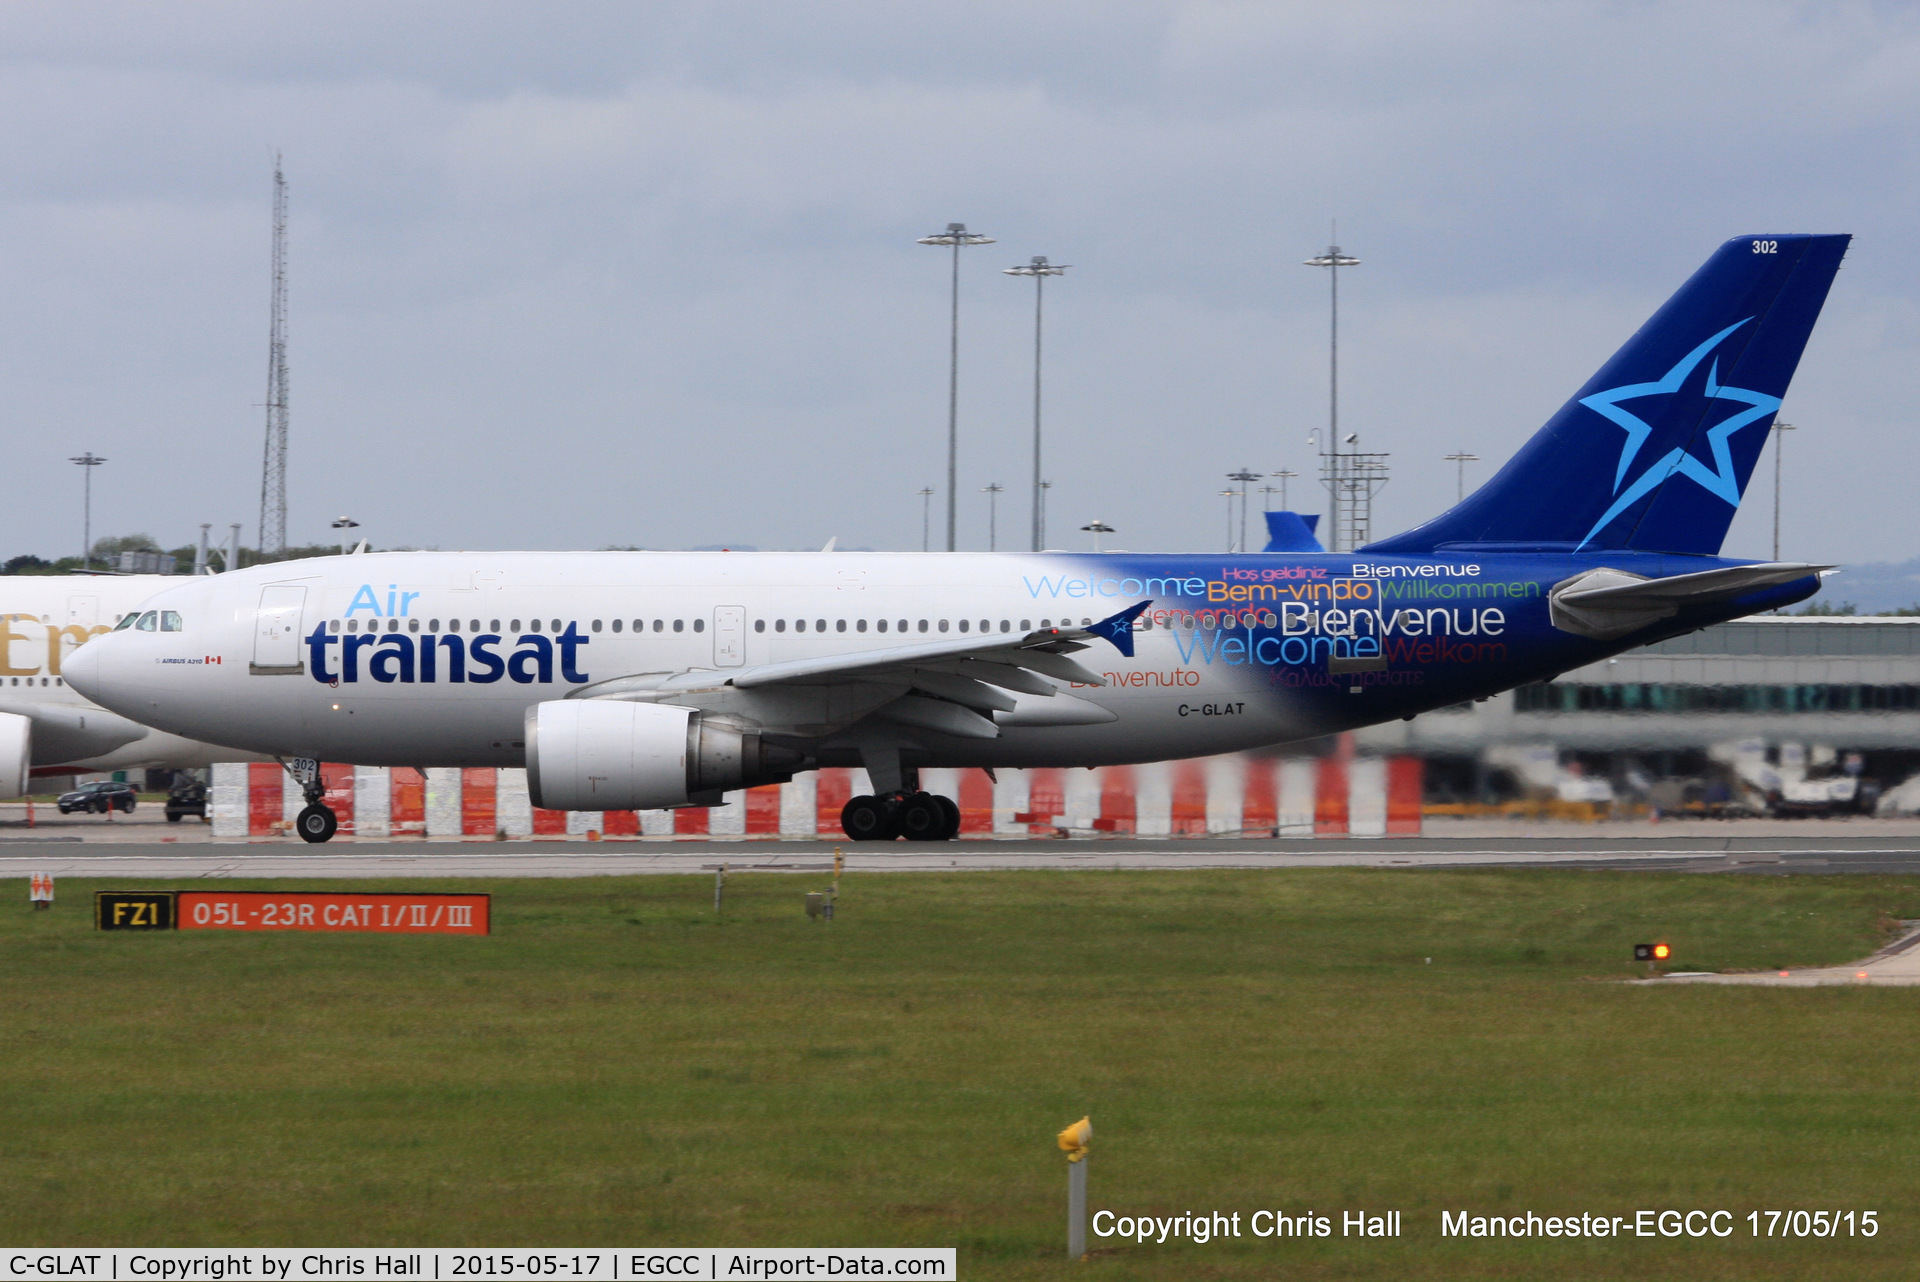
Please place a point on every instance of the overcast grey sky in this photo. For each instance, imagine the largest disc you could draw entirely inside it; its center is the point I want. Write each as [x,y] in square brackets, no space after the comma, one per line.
[569,275]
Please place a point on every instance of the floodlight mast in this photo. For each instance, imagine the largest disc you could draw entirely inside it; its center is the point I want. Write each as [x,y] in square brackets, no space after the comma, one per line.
[992,491]
[1282,475]
[1460,459]
[1039,269]
[87,461]
[957,236]
[1243,476]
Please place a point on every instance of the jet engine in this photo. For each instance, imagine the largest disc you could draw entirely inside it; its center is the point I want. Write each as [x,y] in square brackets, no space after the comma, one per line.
[591,754]
[16,753]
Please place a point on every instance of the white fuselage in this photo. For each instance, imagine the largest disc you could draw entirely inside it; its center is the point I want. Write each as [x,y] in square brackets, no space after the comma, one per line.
[433,659]
[43,619]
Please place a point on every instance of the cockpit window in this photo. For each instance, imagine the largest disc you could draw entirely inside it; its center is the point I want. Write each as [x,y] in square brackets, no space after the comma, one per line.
[148,620]
[127,622]
[170,621]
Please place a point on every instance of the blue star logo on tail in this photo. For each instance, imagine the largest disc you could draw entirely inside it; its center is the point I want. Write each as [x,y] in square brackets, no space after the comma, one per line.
[1719,480]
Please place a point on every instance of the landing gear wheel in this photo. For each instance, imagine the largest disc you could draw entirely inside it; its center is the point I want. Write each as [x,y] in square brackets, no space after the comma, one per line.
[867,819]
[923,818]
[316,823]
[951,809]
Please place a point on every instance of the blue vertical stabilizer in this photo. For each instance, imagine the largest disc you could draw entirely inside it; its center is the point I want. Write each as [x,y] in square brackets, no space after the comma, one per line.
[1292,532]
[1653,454]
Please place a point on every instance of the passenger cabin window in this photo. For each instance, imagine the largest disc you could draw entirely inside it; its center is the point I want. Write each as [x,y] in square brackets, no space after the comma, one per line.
[393,625]
[902,626]
[433,625]
[840,625]
[413,625]
[1025,626]
[493,625]
[616,624]
[860,626]
[759,625]
[659,624]
[556,625]
[923,625]
[148,621]
[963,626]
[819,625]
[779,625]
[169,622]
[882,625]
[679,625]
[596,625]
[531,623]
[333,625]
[699,625]
[943,625]
[516,625]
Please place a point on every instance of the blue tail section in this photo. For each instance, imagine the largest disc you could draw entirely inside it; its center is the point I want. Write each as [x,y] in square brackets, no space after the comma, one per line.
[1292,532]
[1654,452]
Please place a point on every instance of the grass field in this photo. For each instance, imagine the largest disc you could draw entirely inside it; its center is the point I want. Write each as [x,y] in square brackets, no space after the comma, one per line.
[616,1066]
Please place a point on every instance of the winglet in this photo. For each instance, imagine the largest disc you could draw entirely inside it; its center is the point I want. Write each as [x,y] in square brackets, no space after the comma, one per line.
[1118,628]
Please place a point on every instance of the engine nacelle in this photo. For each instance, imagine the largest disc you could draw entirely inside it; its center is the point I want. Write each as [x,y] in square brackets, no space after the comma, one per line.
[16,753]
[592,754]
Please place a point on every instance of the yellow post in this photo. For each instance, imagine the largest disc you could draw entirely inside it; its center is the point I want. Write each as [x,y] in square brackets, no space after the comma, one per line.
[838,861]
[1074,1142]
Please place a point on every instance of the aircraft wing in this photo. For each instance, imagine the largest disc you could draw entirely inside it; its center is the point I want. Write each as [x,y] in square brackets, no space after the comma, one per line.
[964,685]
[1608,603]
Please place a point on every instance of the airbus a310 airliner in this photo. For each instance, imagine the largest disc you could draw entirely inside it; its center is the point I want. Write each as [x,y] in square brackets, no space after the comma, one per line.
[646,680]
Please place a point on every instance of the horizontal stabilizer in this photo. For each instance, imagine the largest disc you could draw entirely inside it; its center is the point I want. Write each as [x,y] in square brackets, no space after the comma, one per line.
[1292,532]
[1607,603]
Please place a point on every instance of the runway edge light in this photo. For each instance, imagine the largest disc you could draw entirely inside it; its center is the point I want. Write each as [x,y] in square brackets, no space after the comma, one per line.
[1074,1142]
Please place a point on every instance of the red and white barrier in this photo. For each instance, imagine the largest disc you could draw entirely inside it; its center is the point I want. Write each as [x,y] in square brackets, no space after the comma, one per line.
[1333,796]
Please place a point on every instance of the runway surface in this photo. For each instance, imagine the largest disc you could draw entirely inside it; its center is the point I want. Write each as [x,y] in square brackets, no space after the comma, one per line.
[1852,853]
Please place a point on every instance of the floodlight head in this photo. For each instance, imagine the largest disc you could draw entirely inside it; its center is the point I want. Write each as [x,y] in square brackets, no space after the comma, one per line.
[1332,258]
[346,523]
[1038,267]
[956,234]
[1098,526]
[1243,475]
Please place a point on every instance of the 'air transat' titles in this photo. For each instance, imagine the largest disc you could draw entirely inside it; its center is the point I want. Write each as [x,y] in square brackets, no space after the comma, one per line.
[408,658]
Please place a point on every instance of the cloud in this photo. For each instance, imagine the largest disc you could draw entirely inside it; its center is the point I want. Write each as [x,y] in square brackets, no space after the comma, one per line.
[581,274]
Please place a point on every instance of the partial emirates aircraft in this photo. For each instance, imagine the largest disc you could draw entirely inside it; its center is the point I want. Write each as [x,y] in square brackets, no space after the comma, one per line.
[46,726]
[647,680]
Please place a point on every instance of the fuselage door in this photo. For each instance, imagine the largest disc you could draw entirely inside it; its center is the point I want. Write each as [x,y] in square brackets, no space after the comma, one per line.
[729,636]
[276,631]
[83,612]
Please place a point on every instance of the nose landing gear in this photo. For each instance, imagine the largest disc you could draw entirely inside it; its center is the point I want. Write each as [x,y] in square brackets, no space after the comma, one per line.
[916,816]
[316,822]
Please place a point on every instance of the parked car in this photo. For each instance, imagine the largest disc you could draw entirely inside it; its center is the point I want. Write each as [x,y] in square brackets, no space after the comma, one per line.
[99,798]
[187,797]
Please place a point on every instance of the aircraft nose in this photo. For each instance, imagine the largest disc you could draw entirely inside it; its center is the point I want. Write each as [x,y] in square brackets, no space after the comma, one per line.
[82,668]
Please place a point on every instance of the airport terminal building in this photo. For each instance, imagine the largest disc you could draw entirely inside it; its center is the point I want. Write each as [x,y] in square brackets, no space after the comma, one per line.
[1769,705]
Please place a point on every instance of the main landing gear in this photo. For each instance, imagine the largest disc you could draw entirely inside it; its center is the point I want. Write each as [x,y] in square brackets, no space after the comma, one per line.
[916,816]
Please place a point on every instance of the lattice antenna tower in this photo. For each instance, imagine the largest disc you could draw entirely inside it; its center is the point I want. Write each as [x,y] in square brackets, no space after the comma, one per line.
[273,470]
